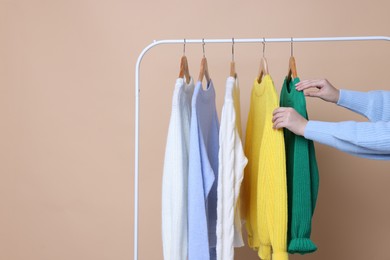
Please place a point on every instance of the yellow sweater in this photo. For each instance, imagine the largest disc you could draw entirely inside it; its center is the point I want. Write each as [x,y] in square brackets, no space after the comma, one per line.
[264,189]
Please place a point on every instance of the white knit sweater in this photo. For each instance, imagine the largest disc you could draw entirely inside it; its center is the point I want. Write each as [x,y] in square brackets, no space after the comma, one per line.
[232,162]
[175,176]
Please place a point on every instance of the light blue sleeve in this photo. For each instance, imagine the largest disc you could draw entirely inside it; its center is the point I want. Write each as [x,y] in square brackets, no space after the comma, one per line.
[364,139]
[200,181]
[375,105]
[198,247]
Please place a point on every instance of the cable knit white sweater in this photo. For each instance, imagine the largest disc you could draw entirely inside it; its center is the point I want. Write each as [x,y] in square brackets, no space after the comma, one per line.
[232,162]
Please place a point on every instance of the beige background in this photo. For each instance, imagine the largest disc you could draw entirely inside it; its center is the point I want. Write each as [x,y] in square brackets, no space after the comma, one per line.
[67,104]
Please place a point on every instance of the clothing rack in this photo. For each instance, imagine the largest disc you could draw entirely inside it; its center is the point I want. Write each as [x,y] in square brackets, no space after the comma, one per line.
[204,41]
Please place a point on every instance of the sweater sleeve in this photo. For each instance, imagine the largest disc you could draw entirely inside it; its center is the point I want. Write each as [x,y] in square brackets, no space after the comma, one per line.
[278,196]
[365,139]
[198,189]
[174,185]
[373,104]
[225,215]
[304,199]
[172,231]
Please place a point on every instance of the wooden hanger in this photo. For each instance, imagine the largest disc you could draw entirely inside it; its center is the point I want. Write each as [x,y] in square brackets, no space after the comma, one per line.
[204,70]
[233,69]
[263,71]
[184,71]
[292,68]
[232,63]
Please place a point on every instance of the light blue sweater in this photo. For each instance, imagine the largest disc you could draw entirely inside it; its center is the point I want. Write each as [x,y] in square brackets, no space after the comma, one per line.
[203,175]
[365,139]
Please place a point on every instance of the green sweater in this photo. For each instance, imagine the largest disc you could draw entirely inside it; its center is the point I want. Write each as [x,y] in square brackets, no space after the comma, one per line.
[302,176]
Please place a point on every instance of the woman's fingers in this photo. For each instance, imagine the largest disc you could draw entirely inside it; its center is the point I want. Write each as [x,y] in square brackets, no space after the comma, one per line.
[287,117]
[278,114]
[326,90]
[279,117]
[278,110]
[279,123]
[306,84]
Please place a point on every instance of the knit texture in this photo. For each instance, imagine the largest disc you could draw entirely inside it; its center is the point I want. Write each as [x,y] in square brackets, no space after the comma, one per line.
[231,166]
[375,105]
[364,139]
[302,176]
[175,175]
[264,191]
[203,175]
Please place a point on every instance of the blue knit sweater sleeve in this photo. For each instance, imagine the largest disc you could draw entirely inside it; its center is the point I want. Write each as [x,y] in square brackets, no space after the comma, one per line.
[375,105]
[364,139]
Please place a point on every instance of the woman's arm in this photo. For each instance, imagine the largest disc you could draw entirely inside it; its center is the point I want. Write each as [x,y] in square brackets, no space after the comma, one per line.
[364,139]
[375,105]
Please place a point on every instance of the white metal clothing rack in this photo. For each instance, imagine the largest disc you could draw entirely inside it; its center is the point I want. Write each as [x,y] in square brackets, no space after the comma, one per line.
[190,41]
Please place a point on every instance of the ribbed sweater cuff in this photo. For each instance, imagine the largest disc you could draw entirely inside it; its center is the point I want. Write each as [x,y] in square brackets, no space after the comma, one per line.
[302,246]
[280,256]
[264,252]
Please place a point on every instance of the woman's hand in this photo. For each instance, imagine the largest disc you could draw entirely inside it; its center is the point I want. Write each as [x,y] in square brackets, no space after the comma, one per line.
[326,91]
[288,118]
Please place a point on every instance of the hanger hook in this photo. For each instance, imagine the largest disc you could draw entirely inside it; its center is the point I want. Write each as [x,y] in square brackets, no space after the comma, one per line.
[203,48]
[263,46]
[232,49]
[292,47]
[184,47]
